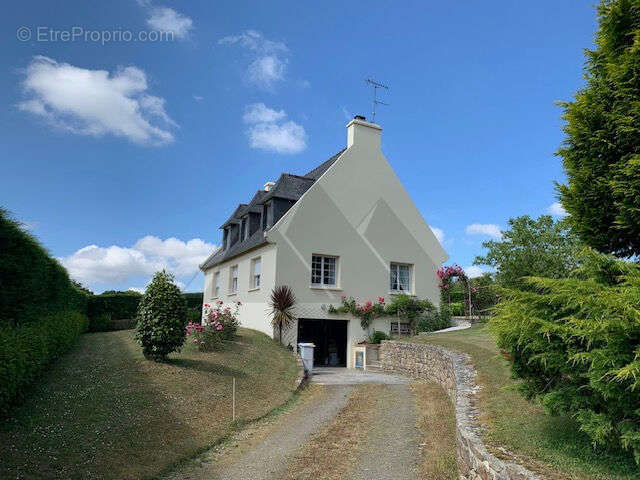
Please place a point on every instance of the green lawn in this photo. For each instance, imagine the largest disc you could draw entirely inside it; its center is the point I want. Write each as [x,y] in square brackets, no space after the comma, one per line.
[103,411]
[551,445]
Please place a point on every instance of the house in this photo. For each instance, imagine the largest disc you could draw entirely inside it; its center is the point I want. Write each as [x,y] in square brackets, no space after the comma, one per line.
[346,228]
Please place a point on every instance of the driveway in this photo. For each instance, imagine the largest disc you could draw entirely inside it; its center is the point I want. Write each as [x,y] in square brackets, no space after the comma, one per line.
[383,443]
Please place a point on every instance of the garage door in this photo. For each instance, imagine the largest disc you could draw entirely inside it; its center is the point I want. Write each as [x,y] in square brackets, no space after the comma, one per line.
[330,339]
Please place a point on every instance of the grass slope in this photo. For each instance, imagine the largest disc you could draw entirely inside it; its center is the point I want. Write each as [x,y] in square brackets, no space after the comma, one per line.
[103,411]
[552,445]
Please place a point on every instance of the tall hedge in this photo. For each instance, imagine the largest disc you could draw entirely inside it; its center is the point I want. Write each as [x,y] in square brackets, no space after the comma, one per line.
[575,344]
[31,281]
[26,351]
[42,312]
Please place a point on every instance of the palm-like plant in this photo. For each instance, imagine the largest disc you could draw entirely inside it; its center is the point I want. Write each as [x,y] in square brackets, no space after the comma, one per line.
[282,303]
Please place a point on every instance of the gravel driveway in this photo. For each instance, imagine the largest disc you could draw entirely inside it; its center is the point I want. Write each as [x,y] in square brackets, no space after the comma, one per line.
[265,450]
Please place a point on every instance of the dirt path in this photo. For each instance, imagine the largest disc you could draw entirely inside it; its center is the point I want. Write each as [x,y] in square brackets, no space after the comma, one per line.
[392,450]
[262,451]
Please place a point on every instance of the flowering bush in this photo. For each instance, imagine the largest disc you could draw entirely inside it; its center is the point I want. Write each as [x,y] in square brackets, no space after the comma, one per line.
[445,274]
[219,324]
[366,311]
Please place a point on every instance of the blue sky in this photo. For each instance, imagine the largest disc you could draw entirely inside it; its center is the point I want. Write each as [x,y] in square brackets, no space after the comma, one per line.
[125,156]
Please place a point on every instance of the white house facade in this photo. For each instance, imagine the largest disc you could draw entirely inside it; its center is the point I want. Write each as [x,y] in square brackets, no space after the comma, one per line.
[347,228]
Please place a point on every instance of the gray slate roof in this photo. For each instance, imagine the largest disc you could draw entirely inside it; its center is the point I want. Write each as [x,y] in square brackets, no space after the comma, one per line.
[288,186]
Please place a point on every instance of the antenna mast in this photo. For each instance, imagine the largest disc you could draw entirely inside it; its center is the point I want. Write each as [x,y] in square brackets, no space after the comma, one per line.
[376,102]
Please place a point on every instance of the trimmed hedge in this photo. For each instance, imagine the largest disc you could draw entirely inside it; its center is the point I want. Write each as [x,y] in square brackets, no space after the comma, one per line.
[26,351]
[31,281]
[108,310]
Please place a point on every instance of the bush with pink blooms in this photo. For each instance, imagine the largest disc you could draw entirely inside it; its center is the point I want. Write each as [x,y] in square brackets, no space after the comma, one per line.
[219,323]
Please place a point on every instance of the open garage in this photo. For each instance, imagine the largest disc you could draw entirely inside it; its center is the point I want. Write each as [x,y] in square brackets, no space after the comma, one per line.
[330,339]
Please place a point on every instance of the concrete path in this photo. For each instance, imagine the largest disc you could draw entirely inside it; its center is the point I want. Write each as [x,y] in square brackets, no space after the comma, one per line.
[351,376]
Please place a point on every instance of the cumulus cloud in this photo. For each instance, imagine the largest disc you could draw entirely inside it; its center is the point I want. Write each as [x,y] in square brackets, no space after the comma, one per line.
[488,229]
[269,131]
[260,113]
[474,271]
[166,19]
[115,264]
[557,210]
[96,102]
[438,232]
[268,58]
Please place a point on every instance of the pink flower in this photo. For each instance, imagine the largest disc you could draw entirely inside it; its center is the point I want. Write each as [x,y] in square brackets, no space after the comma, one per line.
[381,300]
[219,327]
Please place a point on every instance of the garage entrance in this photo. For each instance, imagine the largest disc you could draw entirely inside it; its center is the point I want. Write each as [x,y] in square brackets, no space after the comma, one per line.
[330,339]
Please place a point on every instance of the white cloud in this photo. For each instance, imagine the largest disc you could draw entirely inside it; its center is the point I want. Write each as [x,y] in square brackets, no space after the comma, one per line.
[288,137]
[489,229]
[556,209]
[474,271]
[266,71]
[268,62]
[166,19]
[198,98]
[94,264]
[268,131]
[96,102]
[438,232]
[260,113]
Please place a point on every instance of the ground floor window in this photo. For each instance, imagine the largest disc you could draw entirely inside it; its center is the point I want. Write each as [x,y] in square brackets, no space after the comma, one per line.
[399,328]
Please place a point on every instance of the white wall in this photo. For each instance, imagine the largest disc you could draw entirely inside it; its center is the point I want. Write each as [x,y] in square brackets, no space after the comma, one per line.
[253,313]
[360,212]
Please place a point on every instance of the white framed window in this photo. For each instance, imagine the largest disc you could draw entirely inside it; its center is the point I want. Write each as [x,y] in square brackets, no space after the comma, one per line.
[400,277]
[256,270]
[216,284]
[233,279]
[324,270]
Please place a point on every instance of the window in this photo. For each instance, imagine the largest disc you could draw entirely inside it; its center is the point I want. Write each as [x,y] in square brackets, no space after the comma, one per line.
[323,270]
[400,277]
[216,284]
[233,283]
[255,272]
[243,229]
[399,328]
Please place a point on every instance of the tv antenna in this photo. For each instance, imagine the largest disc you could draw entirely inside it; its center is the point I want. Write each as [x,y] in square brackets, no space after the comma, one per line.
[376,102]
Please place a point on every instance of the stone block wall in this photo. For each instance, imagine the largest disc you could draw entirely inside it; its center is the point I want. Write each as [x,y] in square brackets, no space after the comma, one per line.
[455,373]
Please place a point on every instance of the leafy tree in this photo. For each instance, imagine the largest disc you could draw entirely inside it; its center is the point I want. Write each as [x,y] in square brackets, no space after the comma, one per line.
[601,151]
[161,327]
[575,344]
[542,247]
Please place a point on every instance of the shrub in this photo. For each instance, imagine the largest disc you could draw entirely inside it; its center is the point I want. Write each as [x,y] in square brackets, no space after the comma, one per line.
[456,309]
[377,336]
[220,324]
[575,343]
[161,318]
[27,271]
[26,351]
[433,320]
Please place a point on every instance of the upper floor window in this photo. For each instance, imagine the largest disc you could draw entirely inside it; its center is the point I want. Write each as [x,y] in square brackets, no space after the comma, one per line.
[233,279]
[255,272]
[400,277]
[324,270]
[216,284]
[243,229]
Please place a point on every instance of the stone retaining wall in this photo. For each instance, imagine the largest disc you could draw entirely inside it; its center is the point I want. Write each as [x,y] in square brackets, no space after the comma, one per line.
[455,373]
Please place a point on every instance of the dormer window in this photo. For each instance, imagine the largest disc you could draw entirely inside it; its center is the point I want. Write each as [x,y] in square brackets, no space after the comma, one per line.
[243,229]
[265,214]
[225,238]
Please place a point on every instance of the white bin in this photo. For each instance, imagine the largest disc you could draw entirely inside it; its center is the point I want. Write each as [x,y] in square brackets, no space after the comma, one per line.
[306,353]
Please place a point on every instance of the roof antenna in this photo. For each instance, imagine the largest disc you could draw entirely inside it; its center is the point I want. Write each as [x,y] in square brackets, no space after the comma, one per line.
[376,86]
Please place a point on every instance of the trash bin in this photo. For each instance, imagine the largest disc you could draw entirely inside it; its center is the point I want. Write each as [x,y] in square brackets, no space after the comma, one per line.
[306,353]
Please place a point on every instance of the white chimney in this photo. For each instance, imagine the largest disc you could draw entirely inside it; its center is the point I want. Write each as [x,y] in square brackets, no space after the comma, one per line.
[361,132]
[268,186]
